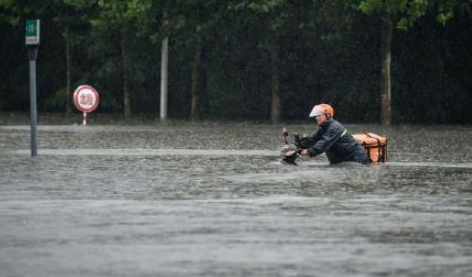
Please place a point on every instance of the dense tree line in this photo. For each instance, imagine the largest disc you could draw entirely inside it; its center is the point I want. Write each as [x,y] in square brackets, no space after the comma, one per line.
[400,61]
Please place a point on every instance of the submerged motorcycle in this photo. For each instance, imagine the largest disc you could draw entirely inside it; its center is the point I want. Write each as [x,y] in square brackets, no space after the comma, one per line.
[290,151]
[374,145]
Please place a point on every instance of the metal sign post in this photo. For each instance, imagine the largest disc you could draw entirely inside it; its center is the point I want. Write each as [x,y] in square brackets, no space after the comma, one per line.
[32,43]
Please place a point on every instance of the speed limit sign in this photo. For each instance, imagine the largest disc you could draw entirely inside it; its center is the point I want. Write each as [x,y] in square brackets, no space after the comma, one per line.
[86,100]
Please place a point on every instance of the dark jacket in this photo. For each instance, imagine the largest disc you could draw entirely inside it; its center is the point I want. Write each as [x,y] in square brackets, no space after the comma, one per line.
[334,140]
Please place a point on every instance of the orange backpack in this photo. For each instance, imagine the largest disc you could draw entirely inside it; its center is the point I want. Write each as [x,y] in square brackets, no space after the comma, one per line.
[374,145]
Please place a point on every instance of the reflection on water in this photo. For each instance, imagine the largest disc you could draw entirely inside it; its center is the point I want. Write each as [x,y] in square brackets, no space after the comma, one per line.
[195,200]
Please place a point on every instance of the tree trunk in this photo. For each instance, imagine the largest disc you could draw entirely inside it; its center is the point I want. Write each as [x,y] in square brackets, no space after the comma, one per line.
[198,82]
[164,70]
[126,90]
[275,90]
[386,78]
[68,77]
[164,78]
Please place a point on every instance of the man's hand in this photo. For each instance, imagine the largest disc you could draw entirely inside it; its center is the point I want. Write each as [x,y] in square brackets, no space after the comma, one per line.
[304,152]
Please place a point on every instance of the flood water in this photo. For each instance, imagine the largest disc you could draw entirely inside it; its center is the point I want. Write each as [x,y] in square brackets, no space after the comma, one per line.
[211,199]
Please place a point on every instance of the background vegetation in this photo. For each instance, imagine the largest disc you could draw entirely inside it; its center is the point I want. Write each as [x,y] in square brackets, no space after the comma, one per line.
[266,60]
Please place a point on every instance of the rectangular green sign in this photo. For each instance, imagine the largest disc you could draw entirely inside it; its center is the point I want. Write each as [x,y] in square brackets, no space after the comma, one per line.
[32,31]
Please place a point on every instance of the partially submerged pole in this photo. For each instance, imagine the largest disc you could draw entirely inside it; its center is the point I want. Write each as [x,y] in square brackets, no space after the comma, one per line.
[32,44]
[32,54]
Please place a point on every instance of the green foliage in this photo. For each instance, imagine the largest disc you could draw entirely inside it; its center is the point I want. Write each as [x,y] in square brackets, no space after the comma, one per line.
[14,11]
[408,12]
[327,51]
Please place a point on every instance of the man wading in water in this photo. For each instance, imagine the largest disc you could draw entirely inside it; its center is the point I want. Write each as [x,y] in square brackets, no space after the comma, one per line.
[331,138]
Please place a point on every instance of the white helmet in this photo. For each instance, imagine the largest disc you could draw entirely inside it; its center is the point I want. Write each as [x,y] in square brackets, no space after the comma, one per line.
[322,109]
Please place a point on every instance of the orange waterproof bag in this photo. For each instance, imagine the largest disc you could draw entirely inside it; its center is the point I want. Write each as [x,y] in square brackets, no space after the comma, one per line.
[375,146]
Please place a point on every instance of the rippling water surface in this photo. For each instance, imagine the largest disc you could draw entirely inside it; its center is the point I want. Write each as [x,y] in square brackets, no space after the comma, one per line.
[212,200]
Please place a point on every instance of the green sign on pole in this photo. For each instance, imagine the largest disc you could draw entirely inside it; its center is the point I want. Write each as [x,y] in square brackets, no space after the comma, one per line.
[32,31]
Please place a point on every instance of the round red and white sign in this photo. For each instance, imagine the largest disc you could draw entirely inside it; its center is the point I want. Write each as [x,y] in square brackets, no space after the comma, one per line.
[86,98]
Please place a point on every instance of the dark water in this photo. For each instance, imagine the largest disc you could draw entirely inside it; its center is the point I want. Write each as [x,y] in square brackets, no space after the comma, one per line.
[211,200]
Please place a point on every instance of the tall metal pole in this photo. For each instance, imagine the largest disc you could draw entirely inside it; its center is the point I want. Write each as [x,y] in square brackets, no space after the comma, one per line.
[164,76]
[32,44]
[32,54]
